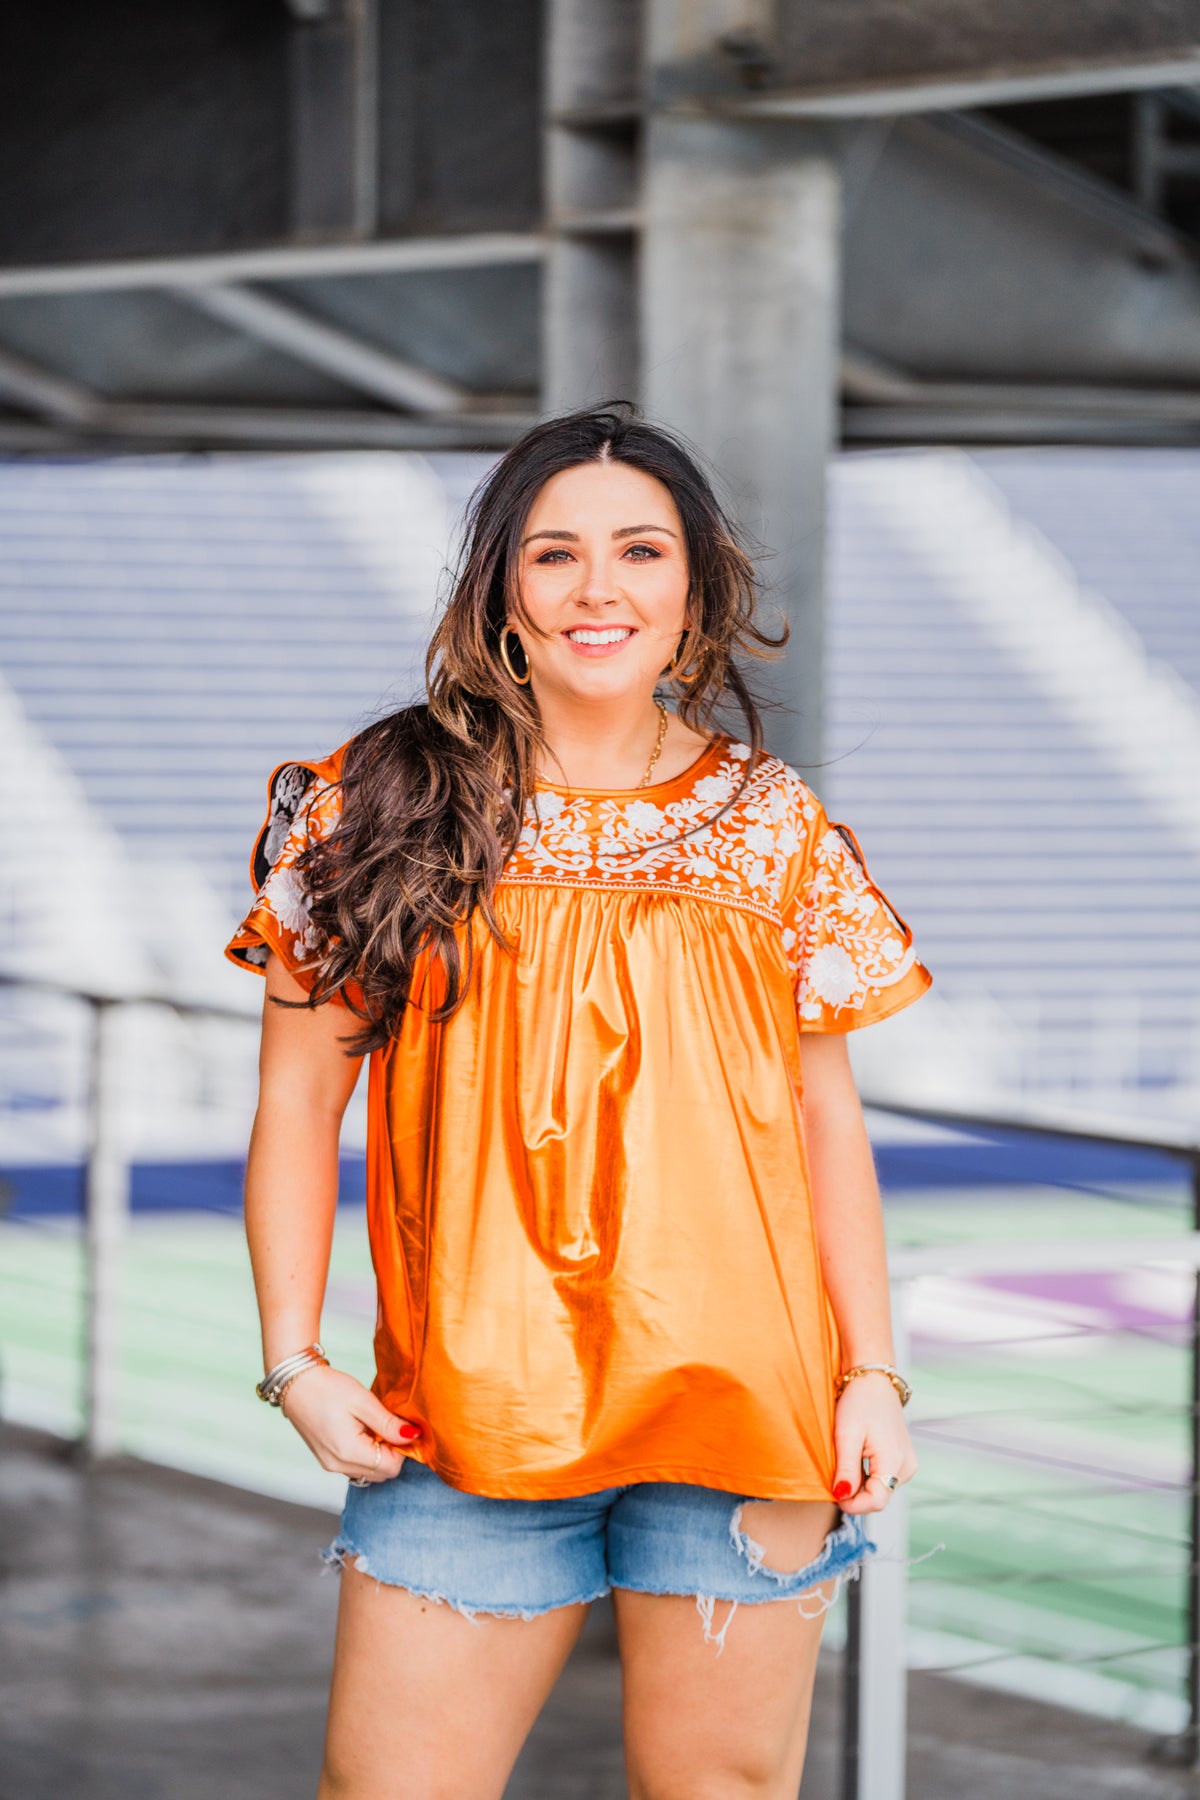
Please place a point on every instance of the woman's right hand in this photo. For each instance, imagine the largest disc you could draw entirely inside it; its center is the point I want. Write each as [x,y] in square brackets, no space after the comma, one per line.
[348,1428]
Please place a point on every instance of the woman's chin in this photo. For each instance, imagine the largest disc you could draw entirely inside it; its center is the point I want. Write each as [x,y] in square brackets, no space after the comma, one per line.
[591,683]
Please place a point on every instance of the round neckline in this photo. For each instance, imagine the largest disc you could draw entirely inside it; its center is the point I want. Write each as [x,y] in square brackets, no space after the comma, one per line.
[712,748]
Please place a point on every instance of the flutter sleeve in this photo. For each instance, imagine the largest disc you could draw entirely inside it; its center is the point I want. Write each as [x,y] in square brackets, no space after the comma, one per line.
[303,806]
[851,954]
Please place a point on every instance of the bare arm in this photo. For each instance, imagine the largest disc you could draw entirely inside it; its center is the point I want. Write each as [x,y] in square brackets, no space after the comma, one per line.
[849,1225]
[305,1083]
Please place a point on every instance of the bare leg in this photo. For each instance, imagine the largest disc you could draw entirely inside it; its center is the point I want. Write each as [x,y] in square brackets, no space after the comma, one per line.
[429,1705]
[699,1726]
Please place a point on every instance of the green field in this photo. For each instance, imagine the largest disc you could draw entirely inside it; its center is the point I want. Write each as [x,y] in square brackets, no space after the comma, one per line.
[1053,1436]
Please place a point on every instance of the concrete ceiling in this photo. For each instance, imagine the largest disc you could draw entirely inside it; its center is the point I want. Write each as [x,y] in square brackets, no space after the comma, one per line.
[241,223]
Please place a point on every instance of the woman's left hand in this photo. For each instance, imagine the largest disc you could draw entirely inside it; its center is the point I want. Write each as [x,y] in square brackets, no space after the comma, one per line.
[869,1424]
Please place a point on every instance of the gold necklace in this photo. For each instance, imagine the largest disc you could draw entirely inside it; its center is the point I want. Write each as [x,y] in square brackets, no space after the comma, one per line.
[663,715]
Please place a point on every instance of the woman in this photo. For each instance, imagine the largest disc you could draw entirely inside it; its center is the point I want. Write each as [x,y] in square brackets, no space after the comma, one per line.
[633,1326]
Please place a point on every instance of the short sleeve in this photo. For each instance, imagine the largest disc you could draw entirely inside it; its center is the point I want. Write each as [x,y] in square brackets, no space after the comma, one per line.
[303,806]
[851,954]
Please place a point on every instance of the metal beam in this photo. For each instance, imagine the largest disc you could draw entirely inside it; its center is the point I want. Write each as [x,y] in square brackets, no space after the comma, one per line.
[924,412]
[1064,399]
[970,255]
[888,406]
[398,256]
[877,426]
[47,395]
[327,347]
[1001,87]
[864,377]
[874,388]
[137,427]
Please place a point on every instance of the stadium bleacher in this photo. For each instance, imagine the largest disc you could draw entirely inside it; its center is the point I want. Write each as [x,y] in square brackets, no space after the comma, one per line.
[169,631]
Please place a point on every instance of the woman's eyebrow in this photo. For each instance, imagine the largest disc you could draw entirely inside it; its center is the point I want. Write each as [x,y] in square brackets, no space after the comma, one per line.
[571,537]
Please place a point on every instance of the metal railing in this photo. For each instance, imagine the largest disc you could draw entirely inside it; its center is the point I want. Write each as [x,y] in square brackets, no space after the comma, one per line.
[876,1662]
[106,1204]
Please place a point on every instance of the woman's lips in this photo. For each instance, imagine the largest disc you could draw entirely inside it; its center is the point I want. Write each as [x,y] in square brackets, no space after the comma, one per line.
[607,646]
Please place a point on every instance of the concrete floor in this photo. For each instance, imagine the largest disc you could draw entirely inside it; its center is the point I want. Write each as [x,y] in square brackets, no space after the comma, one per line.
[166,1638]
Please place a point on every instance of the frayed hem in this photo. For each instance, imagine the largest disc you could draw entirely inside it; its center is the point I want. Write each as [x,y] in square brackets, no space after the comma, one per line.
[706,1603]
[910,1562]
[763,1598]
[341,1556]
[818,1570]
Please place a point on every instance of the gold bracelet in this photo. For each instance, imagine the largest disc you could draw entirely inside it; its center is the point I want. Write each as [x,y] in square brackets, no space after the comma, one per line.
[897,1380]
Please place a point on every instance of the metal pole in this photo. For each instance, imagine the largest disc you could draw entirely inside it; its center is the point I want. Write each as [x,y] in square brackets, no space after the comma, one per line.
[1182,1749]
[875,1763]
[852,1692]
[1191,1757]
[107,1214]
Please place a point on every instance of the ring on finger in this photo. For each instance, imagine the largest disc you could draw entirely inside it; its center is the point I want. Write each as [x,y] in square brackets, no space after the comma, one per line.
[365,1480]
[892,1483]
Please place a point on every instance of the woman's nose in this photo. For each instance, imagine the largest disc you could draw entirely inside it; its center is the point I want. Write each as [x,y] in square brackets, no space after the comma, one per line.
[596,586]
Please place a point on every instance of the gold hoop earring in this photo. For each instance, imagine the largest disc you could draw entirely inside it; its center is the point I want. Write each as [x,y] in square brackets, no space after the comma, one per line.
[673,668]
[521,680]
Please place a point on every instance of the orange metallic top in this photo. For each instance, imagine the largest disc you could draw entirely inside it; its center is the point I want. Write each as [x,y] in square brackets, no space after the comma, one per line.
[587,1192]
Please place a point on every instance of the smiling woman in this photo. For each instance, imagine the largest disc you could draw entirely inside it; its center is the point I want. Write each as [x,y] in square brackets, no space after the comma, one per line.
[595,590]
[633,1323]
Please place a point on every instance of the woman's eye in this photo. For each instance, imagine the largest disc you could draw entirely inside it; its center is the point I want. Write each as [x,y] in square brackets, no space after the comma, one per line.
[553,556]
[643,552]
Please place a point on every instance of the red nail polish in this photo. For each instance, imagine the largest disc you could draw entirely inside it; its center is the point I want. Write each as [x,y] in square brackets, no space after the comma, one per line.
[414,1431]
[841,1490]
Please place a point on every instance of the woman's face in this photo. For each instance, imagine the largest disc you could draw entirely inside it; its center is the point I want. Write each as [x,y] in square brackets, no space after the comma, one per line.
[604,575]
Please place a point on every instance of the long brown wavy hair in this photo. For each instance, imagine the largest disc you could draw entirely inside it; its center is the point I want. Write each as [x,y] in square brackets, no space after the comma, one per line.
[433,796]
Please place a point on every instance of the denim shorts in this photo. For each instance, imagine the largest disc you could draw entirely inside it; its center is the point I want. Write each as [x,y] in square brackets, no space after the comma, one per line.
[519,1558]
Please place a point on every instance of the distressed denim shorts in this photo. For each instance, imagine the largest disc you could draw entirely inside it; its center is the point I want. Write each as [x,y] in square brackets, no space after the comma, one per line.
[518,1558]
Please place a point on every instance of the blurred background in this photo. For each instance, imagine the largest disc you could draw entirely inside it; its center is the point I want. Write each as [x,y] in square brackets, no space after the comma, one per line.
[921,279]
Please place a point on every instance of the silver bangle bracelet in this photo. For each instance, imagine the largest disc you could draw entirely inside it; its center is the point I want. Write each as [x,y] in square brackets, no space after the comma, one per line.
[271,1387]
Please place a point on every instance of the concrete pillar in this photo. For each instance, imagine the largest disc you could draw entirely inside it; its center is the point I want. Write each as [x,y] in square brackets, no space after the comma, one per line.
[592,136]
[739,312]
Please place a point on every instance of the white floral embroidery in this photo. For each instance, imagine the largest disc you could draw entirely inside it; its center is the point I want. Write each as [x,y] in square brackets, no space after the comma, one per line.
[281,914]
[832,975]
[741,857]
[773,853]
[761,839]
[286,894]
[714,790]
[644,817]
[849,943]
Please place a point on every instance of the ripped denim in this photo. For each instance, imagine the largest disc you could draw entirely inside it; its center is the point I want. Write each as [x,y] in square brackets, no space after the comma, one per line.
[517,1559]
